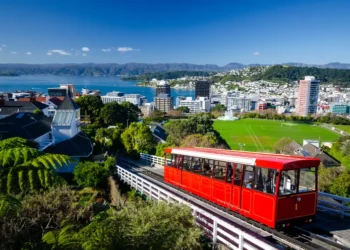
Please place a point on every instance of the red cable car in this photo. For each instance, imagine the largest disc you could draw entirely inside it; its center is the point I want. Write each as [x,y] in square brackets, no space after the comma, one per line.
[275,190]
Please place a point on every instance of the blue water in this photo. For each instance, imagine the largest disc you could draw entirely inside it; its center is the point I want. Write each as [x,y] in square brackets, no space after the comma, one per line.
[40,83]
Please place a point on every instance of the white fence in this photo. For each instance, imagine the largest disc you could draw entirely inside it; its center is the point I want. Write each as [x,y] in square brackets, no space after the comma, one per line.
[154,159]
[215,228]
[334,204]
[326,202]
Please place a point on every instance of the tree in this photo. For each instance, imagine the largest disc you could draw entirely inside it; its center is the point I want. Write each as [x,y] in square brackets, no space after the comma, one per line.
[160,148]
[130,112]
[326,176]
[110,163]
[8,205]
[282,146]
[177,130]
[219,108]
[199,140]
[38,112]
[341,185]
[91,174]
[138,225]
[183,109]
[110,138]
[156,116]
[40,213]
[24,168]
[138,137]
[90,105]
[112,113]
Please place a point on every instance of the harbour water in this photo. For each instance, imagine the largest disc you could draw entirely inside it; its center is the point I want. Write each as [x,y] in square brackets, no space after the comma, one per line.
[40,83]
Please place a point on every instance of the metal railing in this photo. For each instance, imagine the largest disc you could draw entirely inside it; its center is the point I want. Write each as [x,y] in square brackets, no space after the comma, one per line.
[215,228]
[334,204]
[326,202]
[154,159]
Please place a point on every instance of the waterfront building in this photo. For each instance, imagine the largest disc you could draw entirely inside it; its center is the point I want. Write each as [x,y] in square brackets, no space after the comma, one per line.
[146,109]
[163,87]
[242,103]
[135,99]
[113,96]
[201,104]
[340,108]
[63,90]
[308,96]
[202,88]
[163,102]
[178,99]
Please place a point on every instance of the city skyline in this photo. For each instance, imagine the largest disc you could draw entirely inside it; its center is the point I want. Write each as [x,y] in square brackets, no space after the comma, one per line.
[198,32]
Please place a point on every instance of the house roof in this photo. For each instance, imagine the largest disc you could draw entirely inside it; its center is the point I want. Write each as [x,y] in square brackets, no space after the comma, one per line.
[78,146]
[158,131]
[68,104]
[12,107]
[38,99]
[56,101]
[26,125]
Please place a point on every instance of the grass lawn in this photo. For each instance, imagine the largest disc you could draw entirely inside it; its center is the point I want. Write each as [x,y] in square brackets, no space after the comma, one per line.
[261,135]
[345,128]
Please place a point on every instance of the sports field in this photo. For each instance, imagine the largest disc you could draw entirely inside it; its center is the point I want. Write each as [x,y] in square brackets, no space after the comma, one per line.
[261,135]
[346,128]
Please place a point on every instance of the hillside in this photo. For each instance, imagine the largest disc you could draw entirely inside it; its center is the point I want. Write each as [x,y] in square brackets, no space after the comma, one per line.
[284,73]
[134,69]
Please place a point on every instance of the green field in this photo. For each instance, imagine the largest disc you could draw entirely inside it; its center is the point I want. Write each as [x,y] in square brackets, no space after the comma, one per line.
[260,135]
[346,128]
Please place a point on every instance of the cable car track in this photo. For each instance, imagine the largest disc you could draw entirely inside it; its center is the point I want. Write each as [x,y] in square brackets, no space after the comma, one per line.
[296,238]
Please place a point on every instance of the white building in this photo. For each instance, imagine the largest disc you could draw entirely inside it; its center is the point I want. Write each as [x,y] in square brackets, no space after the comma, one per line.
[201,104]
[242,103]
[135,99]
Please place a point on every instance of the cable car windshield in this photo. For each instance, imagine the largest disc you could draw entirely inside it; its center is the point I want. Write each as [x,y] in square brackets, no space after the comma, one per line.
[289,183]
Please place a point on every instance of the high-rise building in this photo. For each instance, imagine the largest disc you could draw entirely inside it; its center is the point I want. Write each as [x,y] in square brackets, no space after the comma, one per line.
[163,102]
[163,87]
[202,89]
[241,103]
[307,96]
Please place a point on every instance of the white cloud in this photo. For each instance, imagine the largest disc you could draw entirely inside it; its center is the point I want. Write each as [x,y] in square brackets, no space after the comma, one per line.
[256,53]
[58,51]
[85,49]
[84,54]
[13,52]
[106,50]
[29,53]
[3,45]
[125,49]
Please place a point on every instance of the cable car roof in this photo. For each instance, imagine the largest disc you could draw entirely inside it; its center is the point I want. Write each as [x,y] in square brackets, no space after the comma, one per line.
[267,160]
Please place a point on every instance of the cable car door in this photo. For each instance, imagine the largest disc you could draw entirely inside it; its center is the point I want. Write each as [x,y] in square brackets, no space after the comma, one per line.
[236,187]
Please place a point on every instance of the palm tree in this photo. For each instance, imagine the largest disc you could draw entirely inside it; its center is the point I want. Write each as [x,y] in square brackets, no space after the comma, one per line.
[23,167]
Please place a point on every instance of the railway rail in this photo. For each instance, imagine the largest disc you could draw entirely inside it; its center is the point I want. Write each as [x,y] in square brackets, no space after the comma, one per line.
[294,238]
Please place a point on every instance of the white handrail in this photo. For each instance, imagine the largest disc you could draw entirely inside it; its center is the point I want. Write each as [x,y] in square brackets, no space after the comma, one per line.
[338,205]
[217,229]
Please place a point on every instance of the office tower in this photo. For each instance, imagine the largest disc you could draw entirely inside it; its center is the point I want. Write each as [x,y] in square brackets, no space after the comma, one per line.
[202,89]
[163,87]
[307,96]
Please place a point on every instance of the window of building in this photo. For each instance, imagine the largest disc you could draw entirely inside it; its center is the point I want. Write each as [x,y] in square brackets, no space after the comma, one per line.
[307,180]
[288,182]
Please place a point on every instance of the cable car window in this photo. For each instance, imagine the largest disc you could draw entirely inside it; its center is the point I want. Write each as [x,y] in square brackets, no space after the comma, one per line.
[219,170]
[207,167]
[248,180]
[187,163]
[173,160]
[265,180]
[288,182]
[179,161]
[307,181]
[238,174]
[229,172]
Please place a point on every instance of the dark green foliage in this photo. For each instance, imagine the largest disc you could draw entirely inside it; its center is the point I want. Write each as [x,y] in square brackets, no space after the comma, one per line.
[90,105]
[219,108]
[109,139]
[125,113]
[91,174]
[9,205]
[183,109]
[110,163]
[38,112]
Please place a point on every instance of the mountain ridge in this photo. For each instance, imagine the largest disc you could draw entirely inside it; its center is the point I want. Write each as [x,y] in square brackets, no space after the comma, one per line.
[132,69]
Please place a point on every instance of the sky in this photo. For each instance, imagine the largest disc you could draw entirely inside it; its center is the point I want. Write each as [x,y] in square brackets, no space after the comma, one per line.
[168,31]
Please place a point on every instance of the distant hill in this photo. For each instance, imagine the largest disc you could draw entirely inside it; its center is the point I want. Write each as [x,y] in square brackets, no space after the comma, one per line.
[133,69]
